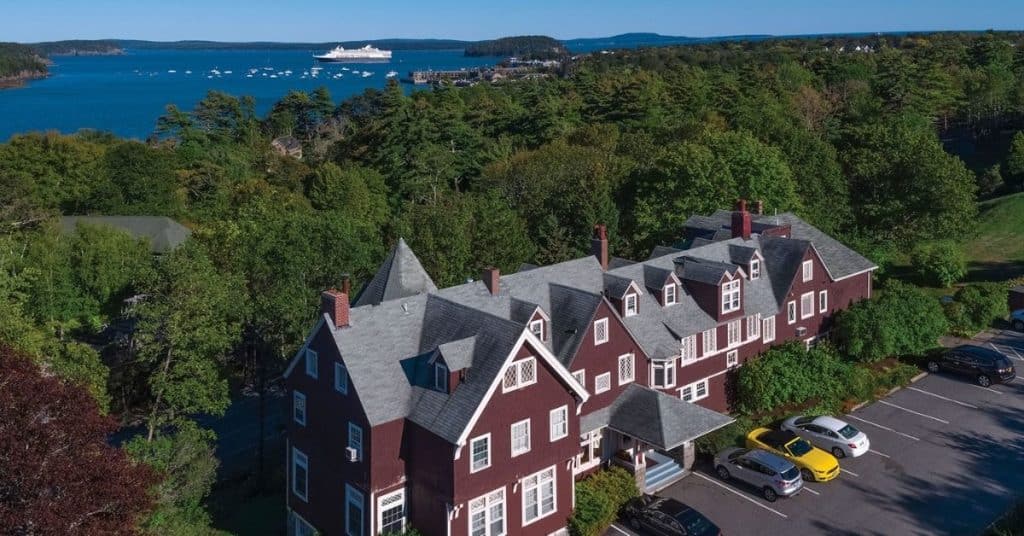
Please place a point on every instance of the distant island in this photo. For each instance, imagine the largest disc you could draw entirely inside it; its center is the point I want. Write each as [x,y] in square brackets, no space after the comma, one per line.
[19,63]
[79,47]
[530,47]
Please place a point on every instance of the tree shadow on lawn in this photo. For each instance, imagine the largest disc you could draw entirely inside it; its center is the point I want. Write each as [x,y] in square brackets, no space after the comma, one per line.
[993,271]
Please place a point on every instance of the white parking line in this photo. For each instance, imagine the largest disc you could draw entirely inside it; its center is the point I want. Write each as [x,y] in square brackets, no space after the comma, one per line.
[985,388]
[908,436]
[730,490]
[964,404]
[809,490]
[851,473]
[890,404]
[1014,356]
[873,451]
[616,527]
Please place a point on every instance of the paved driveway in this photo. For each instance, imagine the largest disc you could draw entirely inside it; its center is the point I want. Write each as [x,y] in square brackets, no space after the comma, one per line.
[947,458]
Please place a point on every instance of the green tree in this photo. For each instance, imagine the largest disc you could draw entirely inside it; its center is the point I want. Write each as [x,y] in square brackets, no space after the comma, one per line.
[1015,160]
[940,263]
[354,189]
[903,320]
[142,181]
[990,181]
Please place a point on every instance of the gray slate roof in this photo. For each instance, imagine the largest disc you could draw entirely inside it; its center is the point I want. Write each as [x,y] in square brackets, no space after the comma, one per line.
[163,233]
[659,419]
[400,275]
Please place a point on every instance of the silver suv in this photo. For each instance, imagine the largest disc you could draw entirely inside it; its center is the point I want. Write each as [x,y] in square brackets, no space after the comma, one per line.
[774,476]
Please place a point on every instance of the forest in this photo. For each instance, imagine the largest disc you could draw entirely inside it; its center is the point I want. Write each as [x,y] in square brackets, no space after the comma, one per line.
[530,47]
[865,143]
[20,61]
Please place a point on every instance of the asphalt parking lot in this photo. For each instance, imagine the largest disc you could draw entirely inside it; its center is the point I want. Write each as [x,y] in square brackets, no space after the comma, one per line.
[947,457]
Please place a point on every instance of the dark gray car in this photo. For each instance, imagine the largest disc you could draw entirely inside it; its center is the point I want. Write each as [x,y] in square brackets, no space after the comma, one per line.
[773,475]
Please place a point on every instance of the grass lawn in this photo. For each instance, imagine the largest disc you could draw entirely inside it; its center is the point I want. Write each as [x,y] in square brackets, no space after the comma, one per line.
[996,251]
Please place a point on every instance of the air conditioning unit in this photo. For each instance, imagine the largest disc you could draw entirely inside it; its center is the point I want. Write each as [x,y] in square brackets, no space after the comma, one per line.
[351,454]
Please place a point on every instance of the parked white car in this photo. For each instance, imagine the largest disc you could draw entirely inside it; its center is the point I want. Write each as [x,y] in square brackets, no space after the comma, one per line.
[829,434]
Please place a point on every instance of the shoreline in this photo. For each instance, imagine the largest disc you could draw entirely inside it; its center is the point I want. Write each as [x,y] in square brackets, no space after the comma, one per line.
[20,79]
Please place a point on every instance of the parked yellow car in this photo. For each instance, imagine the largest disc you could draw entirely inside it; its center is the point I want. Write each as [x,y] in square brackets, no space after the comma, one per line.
[814,463]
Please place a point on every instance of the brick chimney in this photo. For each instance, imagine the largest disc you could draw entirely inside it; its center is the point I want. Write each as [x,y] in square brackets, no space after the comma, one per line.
[599,245]
[490,278]
[759,207]
[335,303]
[741,220]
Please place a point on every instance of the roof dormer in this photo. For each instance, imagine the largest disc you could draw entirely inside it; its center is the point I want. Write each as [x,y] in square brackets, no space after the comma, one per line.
[623,292]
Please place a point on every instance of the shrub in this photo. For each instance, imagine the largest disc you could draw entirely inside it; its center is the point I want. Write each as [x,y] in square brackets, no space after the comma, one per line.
[599,498]
[729,436]
[976,307]
[791,374]
[939,263]
[903,320]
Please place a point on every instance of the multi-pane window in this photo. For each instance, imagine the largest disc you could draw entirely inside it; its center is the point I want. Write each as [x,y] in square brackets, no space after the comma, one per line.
[755,269]
[734,333]
[602,382]
[353,511]
[538,495]
[440,377]
[537,328]
[753,326]
[487,514]
[808,269]
[601,331]
[731,296]
[301,527]
[581,377]
[559,420]
[312,363]
[732,358]
[300,474]
[823,301]
[626,372]
[663,373]
[480,453]
[355,439]
[791,312]
[340,378]
[299,407]
[520,433]
[632,308]
[391,512]
[695,391]
[670,294]
[807,305]
[590,445]
[768,329]
[689,349]
[519,374]
[710,340]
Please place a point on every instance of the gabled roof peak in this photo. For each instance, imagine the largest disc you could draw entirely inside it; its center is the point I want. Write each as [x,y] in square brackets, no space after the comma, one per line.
[400,275]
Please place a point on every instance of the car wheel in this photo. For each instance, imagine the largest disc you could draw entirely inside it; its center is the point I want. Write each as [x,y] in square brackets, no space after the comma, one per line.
[983,380]
[933,366]
[838,452]
[808,476]
[1018,325]
[634,524]
[723,473]
[769,494]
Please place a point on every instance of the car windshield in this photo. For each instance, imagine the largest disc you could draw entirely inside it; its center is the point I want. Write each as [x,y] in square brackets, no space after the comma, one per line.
[799,447]
[848,432]
[693,523]
[791,473]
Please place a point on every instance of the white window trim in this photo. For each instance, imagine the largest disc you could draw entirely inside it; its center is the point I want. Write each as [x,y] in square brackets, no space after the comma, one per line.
[519,375]
[439,375]
[581,377]
[312,358]
[807,269]
[674,294]
[707,350]
[300,526]
[693,389]
[340,371]
[754,321]
[765,338]
[755,268]
[635,309]
[296,397]
[791,314]
[589,440]
[487,512]
[732,358]
[806,312]
[554,493]
[564,413]
[731,342]
[300,458]
[380,508]
[352,495]
[632,359]
[823,301]
[688,345]
[727,292]
[597,340]
[486,437]
[597,382]
[512,438]
[669,367]
[353,427]
[538,325]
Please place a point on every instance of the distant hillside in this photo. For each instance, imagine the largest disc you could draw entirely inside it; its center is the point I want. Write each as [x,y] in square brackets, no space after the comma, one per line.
[79,47]
[19,63]
[636,40]
[537,47]
[388,44]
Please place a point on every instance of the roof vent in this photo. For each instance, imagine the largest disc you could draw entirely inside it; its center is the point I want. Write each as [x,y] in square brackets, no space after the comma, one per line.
[405,308]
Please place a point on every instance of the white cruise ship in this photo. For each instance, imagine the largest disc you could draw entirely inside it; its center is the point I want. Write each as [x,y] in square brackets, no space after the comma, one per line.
[367,53]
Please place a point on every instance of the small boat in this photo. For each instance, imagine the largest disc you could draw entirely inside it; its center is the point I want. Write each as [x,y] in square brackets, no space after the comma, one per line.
[215,72]
[188,72]
[392,74]
[248,76]
[273,76]
[227,72]
[367,74]
[171,71]
[288,72]
[344,68]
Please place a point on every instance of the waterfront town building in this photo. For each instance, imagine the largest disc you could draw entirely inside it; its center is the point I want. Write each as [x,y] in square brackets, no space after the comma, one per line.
[473,410]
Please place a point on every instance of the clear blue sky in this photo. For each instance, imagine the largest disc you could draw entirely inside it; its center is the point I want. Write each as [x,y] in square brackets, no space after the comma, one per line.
[336,20]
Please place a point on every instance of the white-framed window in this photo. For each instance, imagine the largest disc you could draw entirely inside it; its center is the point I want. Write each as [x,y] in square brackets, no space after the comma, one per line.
[487,514]
[663,373]
[755,269]
[732,358]
[299,407]
[734,332]
[669,294]
[627,370]
[768,329]
[520,433]
[602,382]
[791,312]
[391,512]
[300,474]
[480,453]
[537,328]
[688,350]
[312,364]
[340,378]
[519,374]
[354,511]
[808,270]
[559,421]
[807,304]
[539,495]
[600,331]
[731,296]
[710,341]
[440,377]
[823,301]
[695,391]
[301,527]
[355,439]
[753,326]
[590,450]
[581,377]
[632,306]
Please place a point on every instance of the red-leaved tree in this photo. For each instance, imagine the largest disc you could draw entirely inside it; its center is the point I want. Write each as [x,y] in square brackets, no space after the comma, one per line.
[58,474]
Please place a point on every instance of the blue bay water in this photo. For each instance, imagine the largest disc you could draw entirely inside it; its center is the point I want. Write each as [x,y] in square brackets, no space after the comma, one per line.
[126,94]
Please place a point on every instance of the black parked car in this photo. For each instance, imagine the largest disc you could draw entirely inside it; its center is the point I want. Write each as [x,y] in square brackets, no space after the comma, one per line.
[983,365]
[667,517]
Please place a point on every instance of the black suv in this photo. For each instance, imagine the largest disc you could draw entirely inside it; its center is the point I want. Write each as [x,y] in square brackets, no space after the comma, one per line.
[983,365]
[663,516]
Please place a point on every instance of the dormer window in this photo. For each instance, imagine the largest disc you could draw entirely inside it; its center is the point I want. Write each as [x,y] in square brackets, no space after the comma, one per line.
[808,270]
[755,269]
[631,305]
[670,294]
[440,377]
[537,328]
[731,296]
